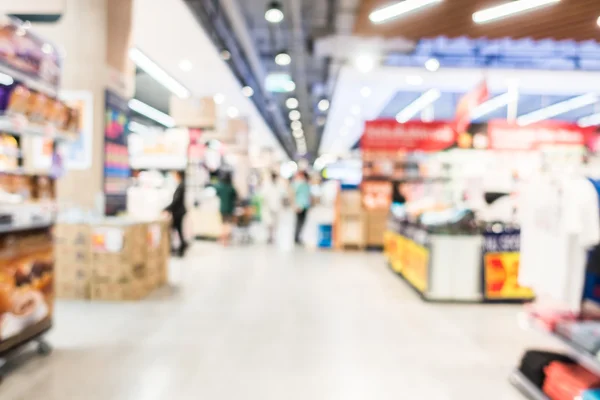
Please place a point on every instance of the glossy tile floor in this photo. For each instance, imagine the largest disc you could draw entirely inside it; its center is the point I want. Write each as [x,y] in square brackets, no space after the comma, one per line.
[255,323]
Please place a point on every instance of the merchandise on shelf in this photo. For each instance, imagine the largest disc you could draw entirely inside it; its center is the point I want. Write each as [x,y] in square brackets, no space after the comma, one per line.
[26,286]
[30,113]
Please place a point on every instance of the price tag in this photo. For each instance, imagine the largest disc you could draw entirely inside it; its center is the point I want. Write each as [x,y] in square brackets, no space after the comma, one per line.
[49,131]
[19,122]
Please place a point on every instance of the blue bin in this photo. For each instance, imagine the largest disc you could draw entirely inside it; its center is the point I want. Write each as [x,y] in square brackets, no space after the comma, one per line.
[324,237]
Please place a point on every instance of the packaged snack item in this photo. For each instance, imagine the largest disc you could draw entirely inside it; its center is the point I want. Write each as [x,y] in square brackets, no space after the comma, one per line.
[73,122]
[43,188]
[55,113]
[18,102]
[36,111]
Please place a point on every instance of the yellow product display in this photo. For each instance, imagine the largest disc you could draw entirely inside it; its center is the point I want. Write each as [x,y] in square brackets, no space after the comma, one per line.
[501,277]
[408,258]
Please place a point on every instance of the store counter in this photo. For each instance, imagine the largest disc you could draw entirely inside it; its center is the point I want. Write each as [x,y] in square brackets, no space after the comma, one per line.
[455,267]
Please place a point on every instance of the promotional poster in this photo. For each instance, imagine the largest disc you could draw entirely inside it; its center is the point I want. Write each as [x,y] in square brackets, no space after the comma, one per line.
[501,267]
[116,156]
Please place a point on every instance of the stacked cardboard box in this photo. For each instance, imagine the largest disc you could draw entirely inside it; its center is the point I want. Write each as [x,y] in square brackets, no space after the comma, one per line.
[113,260]
[351,219]
[119,253]
[375,227]
[158,254]
[73,261]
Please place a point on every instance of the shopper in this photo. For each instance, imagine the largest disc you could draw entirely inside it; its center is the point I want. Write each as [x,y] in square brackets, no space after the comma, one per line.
[177,210]
[302,201]
[273,201]
[228,196]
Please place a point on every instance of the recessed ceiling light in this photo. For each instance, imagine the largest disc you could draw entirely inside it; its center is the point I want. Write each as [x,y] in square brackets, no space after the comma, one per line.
[295,125]
[247,91]
[219,98]
[366,91]
[233,112]
[290,86]
[432,65]
[507,9]
[295,115]
[291,103]
[321,120]
[395,10]
[274,13]
[298,133]
[225,55]
[323,105]
[283,58]
[186,65]
[365,63]
[355,110]
[414,80]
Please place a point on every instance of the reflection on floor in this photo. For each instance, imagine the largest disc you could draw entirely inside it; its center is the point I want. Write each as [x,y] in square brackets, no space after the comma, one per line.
[255,323]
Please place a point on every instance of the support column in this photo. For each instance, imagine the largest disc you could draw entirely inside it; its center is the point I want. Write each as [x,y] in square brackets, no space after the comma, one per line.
[94,37]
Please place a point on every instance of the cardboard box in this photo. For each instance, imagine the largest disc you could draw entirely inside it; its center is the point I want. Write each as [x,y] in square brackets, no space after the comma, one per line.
[72,290]
[350,201]
[107,291]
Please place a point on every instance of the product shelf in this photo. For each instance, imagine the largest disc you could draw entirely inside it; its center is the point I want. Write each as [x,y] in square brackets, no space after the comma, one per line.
[25,227]
[583,357]
[20,126]
[524,385]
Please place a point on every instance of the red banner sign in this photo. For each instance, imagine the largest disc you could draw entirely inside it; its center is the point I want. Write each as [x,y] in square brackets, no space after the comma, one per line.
[410,136]
[504,135]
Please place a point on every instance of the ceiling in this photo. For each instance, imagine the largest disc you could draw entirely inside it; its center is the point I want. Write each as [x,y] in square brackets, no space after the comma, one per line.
[180,37]
[391,89]
[304,22]
[568,19]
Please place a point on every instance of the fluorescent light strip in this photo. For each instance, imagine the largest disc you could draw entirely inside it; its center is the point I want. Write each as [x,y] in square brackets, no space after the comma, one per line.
[136,127]
[159,74]
[507,9]
[152,113]
[493,104]
[395,10]
[590,120]
[418,105]
[558,109]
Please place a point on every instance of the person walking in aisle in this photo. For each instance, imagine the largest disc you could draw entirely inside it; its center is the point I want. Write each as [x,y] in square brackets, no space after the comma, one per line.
[177,210]
[228,196]
[302,201]
[273,196]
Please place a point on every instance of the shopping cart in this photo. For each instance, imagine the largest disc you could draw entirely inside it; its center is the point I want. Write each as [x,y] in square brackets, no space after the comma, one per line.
[243,217]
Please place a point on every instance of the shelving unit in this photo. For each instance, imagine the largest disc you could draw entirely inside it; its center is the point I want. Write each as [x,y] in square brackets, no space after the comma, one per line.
[583,357]
[524,385]
[19,126]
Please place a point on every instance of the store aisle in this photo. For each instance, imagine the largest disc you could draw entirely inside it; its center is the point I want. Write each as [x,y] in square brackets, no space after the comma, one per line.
[255,323]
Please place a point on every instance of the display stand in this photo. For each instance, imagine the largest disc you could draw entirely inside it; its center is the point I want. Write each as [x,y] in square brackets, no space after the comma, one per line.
[32,121]
[528,389]
[578,354]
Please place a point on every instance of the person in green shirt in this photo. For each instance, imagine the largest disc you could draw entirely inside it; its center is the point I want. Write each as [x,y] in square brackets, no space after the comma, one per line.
[302,200]
[228,196]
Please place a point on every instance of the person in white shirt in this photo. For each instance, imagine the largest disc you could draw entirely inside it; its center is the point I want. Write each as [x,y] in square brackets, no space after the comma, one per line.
[273,196]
